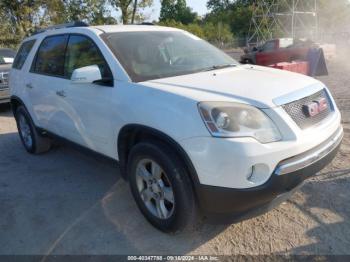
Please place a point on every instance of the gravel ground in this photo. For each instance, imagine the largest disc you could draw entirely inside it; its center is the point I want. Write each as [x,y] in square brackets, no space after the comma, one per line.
[69,202]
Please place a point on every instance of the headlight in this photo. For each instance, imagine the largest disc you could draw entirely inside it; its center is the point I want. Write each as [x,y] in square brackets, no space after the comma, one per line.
[224,119]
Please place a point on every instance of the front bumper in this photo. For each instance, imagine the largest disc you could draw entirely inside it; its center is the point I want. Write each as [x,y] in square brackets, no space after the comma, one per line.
[227,204]
[4,95]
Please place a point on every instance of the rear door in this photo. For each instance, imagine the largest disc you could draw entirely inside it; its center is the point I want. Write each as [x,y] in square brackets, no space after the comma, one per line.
[46,79]
[19,72]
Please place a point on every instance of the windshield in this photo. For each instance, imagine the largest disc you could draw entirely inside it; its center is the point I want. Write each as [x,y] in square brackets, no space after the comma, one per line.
[154,54]
[7,56]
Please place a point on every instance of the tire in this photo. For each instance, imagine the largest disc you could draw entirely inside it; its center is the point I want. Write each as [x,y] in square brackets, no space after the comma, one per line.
[179,215]
[247,61]
[32,141]
[296,58]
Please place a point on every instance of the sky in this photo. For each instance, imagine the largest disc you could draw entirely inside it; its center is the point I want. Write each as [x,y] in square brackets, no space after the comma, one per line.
[198,6]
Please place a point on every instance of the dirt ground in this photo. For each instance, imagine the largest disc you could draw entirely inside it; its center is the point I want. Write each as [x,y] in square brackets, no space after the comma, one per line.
[68,202]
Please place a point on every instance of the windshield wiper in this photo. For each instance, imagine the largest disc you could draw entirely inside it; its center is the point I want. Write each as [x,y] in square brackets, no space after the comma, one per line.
[215,67]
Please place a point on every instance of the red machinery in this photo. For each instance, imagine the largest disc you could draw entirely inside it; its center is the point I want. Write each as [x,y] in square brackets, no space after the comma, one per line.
[287,54]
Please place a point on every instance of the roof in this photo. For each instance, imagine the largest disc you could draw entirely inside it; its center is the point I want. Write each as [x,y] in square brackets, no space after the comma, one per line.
[62,29]
[132,28]
[7,51]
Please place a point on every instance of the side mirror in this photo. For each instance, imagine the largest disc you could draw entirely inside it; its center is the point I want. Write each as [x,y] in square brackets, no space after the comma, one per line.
[255,49]
[86,75]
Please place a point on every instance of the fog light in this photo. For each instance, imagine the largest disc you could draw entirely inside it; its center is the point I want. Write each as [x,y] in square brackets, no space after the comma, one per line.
[259,174]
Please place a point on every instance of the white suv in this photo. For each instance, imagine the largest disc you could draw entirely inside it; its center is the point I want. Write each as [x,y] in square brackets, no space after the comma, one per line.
[194,132]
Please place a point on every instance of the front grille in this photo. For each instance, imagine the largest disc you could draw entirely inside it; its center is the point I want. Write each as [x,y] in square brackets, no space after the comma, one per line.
[4,80]
[296,112]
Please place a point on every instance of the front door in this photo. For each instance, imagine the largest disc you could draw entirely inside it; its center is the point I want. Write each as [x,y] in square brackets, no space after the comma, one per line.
[87,108]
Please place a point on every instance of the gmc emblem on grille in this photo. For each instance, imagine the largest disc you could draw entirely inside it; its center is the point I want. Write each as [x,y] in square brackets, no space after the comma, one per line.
[315,107]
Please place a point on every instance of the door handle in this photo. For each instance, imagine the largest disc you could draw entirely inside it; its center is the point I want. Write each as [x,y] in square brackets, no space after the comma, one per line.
[61,93]
[29,86]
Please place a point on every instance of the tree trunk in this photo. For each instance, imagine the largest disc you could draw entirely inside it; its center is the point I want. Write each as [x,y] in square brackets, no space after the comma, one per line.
[125,15]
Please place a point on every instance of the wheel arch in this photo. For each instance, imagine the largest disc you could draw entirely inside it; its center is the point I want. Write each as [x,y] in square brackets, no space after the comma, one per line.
[132,134]
[15,102]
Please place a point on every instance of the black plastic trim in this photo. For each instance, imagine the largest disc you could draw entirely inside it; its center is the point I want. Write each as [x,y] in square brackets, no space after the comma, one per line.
[234,204]
[20,101]
[122,147]
[60,26]
[65,76]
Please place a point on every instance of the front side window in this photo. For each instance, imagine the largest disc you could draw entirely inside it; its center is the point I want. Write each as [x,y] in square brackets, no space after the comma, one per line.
[158,54]
[81,51]
[50,56]
[22,54]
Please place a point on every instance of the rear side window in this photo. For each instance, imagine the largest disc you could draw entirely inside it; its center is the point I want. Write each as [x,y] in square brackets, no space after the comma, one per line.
[82,51]
[50,56]
[22,54]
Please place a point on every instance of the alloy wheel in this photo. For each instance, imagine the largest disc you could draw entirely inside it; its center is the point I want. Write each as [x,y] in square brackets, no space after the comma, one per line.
[155,189]
[25,131]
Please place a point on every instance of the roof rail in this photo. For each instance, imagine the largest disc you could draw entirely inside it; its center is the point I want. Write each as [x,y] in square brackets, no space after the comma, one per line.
[67,25]
[147,23]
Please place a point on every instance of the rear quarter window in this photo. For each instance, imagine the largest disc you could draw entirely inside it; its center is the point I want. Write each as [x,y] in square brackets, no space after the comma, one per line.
[22,54]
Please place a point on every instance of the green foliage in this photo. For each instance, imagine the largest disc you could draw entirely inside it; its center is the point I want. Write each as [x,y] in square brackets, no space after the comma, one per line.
[236,14]
[21,16]
[8,38]
[127,8]
[178,11]
[215,33]
[91,11]
[124,6]
[225,19]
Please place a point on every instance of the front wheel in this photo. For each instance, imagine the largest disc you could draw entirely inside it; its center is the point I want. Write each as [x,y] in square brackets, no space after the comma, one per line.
[161,187]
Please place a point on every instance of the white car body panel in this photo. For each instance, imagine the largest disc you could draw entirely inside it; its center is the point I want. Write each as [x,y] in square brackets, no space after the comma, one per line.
[228,162]
[236,84]
[93,115]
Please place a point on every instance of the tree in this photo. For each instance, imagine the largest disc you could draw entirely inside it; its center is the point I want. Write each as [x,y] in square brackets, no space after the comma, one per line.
[177,10]
[219,5]
[19,18]
[217,33]
[90,11]
[238,14]
[235,13]
[129,11]
[21,15]
[123,5]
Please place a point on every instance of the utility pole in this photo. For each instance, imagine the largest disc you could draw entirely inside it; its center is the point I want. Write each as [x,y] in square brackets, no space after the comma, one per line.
[134,12]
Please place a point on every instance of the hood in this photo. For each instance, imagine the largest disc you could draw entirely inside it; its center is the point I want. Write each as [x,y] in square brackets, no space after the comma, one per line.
[5,67]
[262,87]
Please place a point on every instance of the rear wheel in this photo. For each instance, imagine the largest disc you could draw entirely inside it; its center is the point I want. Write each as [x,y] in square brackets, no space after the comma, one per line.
[32,141]
[161,187]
